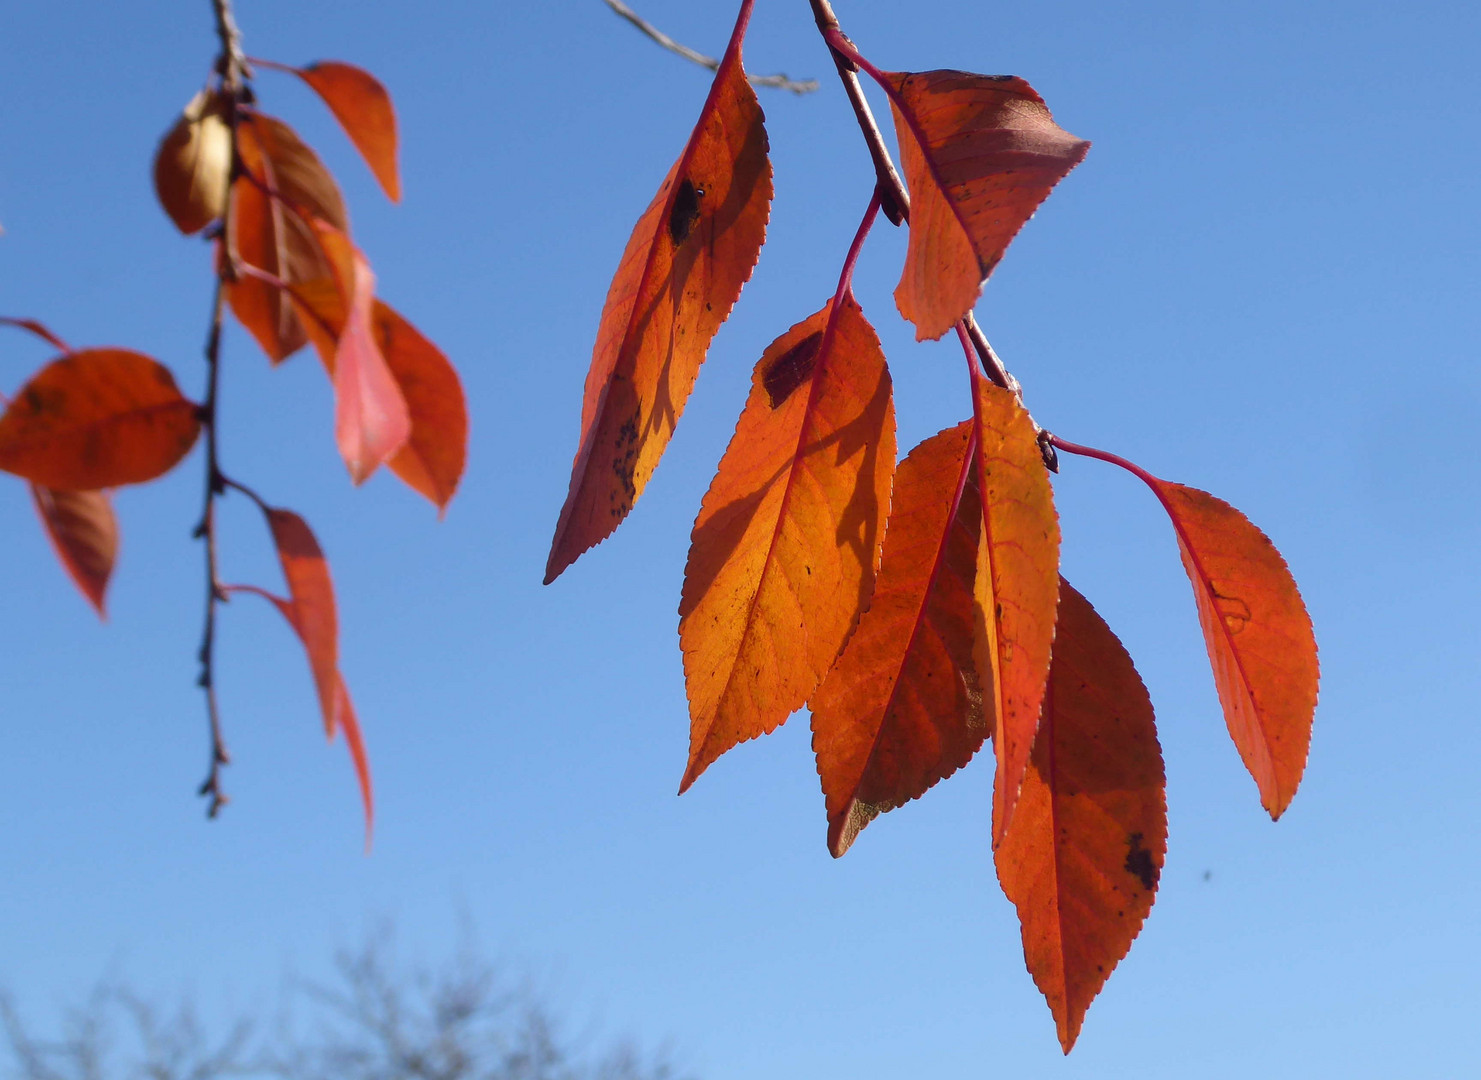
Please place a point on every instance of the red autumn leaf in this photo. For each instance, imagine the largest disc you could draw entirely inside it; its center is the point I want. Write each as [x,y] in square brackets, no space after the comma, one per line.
[979,153]
[192,166]
[901,708]
[363,108]
[97,418]
[1259,636]
[341,716]
[787,542]
[1083,854]
[284,189]
[682,271]
[314,615]
[84,532]
[39,329]
[1017,585]
[431,460]
[371,421]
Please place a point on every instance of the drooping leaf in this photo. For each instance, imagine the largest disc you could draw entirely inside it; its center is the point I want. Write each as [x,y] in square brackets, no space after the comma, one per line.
[371,420]
[341,716]
[683,268]
[1082,857]
[432,459]
[979,153]
[363,108]
[1258,634]
[192,166]
[269,223]
[785,549]
[84,532]
[902,707]
[313,615]
[97,418]
[1017,585]
[39,329]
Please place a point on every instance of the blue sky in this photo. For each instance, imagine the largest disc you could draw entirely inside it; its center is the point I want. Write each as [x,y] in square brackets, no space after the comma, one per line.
[1261,282]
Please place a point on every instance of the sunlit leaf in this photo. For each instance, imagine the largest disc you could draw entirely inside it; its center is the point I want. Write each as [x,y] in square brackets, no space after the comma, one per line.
[84,531]
[97,418]
[192,166]
[363,108]
[1083,855]
[269,225]
[902,708]
[1258,634]
[1017,585]
[312,595]
[690,253]
[787,541]
[979,153]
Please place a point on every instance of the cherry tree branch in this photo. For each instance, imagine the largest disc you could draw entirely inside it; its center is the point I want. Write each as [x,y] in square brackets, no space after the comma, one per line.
[779,82]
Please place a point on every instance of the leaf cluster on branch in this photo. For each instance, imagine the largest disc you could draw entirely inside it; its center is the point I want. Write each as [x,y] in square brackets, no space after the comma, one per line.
[916,608]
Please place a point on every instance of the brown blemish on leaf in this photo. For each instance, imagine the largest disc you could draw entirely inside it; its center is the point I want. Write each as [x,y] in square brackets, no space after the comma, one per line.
[684,212]
[791,369]
[1139,862]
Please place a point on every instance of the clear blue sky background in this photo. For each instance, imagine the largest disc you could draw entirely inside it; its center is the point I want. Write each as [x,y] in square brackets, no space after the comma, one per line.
[1262,282]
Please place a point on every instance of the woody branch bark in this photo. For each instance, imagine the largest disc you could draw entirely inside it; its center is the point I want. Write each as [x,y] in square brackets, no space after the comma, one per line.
[779,82]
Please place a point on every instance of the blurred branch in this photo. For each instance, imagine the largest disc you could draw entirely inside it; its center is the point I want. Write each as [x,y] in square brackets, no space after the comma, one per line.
[779,82]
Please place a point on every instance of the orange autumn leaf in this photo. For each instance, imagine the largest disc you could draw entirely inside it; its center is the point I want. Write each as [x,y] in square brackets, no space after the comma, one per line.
[902,708]
[363,108]
[84,532]
[341,716]
[682,271]
[1083,854]
[97,418]
[979,153]
[269,225]
[431,460]
[192,166]
[39,329]
[787,541]
[1017,585]
[1258,635]
[314,615]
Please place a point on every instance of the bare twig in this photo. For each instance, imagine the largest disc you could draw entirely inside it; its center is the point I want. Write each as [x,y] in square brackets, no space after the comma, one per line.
[779,82]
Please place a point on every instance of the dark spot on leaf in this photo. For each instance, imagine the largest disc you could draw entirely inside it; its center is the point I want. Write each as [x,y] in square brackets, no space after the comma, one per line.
[684,212]
[1139,862]
[791,369]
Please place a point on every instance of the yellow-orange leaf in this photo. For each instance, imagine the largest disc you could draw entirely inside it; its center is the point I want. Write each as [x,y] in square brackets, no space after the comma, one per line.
[193,164]
[1086,847]
[363,108]
[1258,634]
[84,532]
[787,541]
[683,268]
[97,418]
[1017,585]
[313,614]
[902,709]
[979,153]
[269,225]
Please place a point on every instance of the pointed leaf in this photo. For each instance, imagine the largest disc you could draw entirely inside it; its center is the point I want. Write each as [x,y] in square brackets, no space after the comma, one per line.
[902,709]
[979,153]
[689,255]
[1017,585]
[269,223]
[314,615]
[97,418]
[1086,847]
[84,532]
[193,164]
[363,108]
[1258,634]
[787,541]
[39,329]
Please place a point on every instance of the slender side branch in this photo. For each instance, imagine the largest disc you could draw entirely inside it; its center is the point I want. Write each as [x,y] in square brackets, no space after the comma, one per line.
[779,82]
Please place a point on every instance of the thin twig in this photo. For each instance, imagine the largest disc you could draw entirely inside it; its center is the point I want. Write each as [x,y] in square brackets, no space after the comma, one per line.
[779,82]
